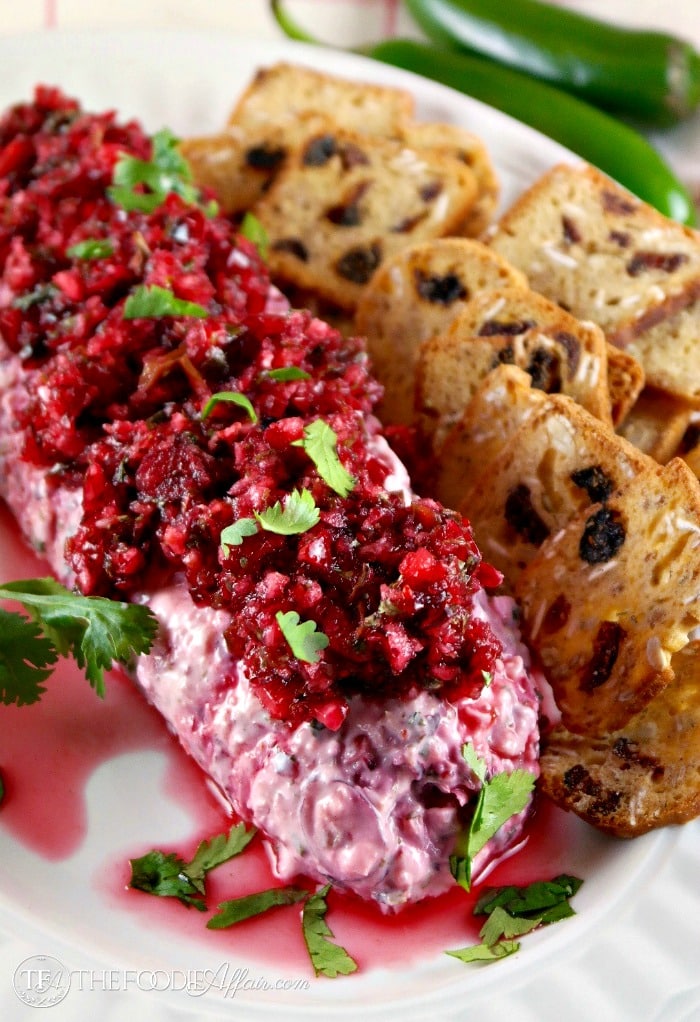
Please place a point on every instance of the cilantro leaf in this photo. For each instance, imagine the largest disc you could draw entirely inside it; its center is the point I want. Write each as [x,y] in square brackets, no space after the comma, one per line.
[327,958]
[253,230]
[238,909]
[155,302]
[514,911]
[485,952]
[537,898]
[143,185]
[91,248]
[320,443]
[219,849]
[475,764]
[304,640]
[298,514]
[167,875]
[286,373]
[26,659]
[232,397]
[499,799]
[504,796]
[500,924]
[234,534]
[95,631]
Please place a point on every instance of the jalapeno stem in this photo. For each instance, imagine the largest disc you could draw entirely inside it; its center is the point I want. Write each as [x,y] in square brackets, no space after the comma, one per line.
[289,26]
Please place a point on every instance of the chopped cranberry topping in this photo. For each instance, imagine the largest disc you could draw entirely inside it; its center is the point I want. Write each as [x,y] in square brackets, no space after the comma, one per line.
[116,405]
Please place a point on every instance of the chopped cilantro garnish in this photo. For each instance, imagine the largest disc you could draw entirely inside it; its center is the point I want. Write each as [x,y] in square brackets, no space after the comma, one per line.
[143,185]
[471,758]
[165,874]
[95,631]
[304,640]
[285,374]
[154,302]
[514,911]
[327,958]
[485,952]
[169,876]
[91,248]
[232,397]
[537,898]
[26,659]
[234,534]
[502,926]
[499,799]
[238,909]
[320,443]
[298,514]
[253,230]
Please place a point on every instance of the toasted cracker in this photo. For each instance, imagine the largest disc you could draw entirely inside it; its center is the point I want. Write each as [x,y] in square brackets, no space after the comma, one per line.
[656,424]
[614,595]
[415,295]
[514,325]
[345,203]
[455,139]
[236,167]
[670,354]
[600,252]
[625,383]
[645,775]
[559,462]
[282,105]
[689,447]
[500,405]
[281,92]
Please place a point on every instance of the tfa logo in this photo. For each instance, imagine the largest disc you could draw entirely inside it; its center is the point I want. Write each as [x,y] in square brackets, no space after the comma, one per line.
[41,981]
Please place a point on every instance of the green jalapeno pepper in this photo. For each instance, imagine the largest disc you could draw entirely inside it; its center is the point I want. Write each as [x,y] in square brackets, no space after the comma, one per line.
[614,147]
[649,76]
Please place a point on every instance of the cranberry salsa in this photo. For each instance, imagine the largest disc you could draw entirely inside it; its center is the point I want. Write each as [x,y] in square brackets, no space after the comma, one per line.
[220,438]
[117,403]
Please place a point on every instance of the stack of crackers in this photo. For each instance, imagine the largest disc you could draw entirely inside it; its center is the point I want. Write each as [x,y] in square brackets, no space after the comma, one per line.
[549,363]
[342,176]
